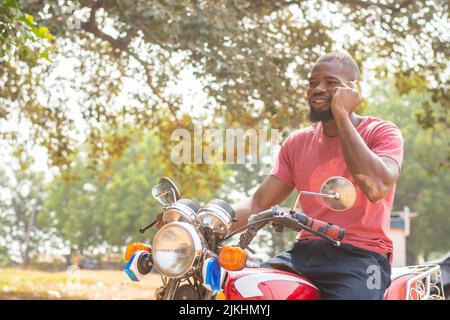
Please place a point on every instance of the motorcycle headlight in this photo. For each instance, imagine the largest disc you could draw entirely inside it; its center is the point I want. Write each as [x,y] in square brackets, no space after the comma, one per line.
[183,210]
[176,247]
[217,215]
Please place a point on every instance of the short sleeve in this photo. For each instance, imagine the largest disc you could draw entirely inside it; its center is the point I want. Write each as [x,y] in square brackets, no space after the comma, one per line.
[283,166]
[387,141]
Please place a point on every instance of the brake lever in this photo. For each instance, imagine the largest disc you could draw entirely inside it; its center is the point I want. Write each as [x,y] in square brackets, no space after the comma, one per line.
[251,250]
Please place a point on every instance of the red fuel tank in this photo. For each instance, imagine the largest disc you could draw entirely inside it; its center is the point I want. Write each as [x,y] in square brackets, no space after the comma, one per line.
[268,284]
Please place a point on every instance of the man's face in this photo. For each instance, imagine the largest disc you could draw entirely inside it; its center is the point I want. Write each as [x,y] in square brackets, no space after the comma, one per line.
[325,76]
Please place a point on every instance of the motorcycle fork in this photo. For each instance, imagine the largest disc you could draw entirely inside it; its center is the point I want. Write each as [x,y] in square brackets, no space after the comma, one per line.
[173,284]
[171,288]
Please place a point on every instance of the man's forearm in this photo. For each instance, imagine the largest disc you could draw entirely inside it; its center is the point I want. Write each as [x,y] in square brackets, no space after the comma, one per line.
[242,211]
[271,191]
[370,172]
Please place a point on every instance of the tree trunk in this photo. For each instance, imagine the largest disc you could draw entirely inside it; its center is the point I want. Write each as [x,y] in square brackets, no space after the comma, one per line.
[26,244]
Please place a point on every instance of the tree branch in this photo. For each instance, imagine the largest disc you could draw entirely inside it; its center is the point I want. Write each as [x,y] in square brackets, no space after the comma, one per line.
[91,26]
[277,5]
[366,4]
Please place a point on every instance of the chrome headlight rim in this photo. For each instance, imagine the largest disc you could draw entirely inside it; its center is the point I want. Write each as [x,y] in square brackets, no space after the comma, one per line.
[217,212]
[188,214]
[197,241]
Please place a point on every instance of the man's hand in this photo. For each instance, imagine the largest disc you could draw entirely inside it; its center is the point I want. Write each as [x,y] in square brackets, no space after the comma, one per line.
[345,100]
[159,223]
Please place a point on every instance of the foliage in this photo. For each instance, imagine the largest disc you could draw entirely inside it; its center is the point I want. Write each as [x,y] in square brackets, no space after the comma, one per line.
[106,208]
[85,79]
[20,36]
[25,49]
[21,232]
[252,58]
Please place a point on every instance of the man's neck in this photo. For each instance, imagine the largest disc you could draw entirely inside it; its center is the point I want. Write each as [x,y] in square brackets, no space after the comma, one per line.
[330,127]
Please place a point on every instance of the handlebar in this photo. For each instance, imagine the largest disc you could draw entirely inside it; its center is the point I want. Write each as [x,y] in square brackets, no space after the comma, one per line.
[294,220]
[330,230]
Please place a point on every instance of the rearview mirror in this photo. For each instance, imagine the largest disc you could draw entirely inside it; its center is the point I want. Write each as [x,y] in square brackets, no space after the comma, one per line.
[166,191]
[343,190]
[337,193]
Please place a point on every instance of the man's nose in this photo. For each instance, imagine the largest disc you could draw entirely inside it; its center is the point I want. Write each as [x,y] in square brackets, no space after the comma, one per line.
[320,88]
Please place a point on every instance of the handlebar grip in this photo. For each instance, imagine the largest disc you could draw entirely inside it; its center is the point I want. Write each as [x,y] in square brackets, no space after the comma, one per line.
[330,230]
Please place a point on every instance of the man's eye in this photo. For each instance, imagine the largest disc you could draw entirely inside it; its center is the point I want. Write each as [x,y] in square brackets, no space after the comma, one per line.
[333,83]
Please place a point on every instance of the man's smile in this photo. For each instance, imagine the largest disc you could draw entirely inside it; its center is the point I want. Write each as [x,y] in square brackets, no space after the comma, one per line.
[320,101]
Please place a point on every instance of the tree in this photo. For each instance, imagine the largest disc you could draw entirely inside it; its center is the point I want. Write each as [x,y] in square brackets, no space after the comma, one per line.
[106,208]
[24,45]
[251,56]
[20,208]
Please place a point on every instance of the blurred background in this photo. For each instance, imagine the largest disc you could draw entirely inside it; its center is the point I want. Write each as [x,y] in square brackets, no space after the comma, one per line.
[91,92]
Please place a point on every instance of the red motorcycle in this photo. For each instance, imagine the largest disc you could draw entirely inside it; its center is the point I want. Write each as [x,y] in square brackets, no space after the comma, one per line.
[195,264]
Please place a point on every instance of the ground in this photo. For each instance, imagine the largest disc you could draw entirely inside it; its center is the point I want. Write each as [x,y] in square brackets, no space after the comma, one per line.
[75,284]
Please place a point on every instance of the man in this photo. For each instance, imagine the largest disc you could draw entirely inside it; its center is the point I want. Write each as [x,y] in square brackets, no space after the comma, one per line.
[365,150]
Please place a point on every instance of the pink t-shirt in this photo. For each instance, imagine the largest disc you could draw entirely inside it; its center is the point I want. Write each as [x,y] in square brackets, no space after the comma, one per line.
[308,157]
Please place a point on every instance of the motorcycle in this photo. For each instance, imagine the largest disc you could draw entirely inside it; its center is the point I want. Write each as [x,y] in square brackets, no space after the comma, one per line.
[190,254]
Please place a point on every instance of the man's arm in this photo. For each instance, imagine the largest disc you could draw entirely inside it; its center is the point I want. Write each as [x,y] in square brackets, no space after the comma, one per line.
[272,191]
[374,175]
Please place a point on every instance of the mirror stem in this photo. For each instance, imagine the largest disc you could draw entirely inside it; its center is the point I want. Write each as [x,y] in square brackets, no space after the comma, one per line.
[142,230]
[336,196]
[322,195]
[297,201]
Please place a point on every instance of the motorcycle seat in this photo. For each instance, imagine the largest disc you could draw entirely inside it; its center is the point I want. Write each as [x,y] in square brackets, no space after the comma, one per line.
[398,272]
[399,280]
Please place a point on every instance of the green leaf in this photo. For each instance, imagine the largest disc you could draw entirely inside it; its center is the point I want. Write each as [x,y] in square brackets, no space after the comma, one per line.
[43,33]
[45,56]
[28,20]
[11,3]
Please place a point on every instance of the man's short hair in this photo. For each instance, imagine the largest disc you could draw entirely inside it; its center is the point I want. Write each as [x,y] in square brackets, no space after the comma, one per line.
[343,58]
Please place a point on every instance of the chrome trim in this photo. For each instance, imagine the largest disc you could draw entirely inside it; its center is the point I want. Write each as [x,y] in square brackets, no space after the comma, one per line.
[182,209]
[218,212]
[197,240]
[424,282]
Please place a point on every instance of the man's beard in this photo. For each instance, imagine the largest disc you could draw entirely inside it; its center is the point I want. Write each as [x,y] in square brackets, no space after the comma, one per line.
[322,115]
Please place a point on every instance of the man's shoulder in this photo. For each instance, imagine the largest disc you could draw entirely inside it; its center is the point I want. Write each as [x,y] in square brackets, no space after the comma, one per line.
[302,133]
[376,130]
[375,123]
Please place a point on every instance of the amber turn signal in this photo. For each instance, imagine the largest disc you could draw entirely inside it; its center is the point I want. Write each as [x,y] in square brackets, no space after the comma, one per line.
[221,296]
[132,247]
[232,258]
